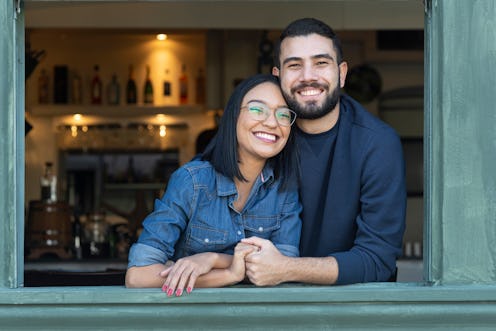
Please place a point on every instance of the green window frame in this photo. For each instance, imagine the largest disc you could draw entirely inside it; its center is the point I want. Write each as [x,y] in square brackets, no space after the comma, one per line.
[459,291]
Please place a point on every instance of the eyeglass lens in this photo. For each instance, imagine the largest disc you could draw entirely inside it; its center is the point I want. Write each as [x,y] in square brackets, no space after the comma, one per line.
[261,112]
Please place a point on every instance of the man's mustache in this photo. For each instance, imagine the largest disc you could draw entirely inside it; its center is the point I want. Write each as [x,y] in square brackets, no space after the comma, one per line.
[313,85]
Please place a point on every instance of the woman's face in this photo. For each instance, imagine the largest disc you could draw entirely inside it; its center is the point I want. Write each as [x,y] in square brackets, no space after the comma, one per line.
[258,138]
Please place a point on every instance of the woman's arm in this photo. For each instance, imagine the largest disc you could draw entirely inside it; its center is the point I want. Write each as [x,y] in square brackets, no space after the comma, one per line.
[206,270]
[161,231]
[147,276]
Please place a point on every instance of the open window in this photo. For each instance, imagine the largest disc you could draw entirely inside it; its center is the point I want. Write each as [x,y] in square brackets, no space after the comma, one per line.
[459,207]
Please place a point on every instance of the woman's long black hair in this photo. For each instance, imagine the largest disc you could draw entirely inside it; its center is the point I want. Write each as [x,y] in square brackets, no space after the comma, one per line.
[222,151]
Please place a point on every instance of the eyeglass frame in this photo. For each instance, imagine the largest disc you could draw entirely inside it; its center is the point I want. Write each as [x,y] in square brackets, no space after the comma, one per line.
[267,114]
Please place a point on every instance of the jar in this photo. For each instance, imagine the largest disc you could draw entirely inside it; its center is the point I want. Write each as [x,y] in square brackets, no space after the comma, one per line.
[96,236]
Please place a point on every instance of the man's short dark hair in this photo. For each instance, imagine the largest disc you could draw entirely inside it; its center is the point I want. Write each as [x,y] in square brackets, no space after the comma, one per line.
[222,151]
[305,27]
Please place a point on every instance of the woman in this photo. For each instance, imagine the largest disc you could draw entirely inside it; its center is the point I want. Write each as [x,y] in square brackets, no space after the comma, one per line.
[244,184]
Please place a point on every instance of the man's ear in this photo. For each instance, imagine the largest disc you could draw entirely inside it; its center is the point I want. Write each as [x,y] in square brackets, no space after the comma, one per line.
[343,71]
[275,71]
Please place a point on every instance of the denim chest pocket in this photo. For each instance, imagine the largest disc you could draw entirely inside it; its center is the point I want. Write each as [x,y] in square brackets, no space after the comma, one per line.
[204,239]
[260,226]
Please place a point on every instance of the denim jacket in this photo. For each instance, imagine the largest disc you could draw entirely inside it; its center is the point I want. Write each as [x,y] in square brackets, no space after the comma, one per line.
[196,214]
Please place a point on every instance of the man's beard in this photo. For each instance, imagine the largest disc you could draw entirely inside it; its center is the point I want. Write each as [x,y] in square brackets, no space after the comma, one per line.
[311,111]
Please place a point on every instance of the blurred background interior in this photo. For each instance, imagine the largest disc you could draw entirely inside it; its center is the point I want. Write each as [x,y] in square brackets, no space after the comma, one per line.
[119,94]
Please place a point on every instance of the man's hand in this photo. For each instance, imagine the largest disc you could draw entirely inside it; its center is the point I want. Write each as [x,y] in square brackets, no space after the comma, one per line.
[265,267]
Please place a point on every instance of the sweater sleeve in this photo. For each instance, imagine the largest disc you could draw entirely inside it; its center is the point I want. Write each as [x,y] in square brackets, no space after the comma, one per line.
[381,221]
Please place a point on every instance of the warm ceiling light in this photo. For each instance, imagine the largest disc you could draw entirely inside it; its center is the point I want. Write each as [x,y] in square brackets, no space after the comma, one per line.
[161,36]
[78,117]
[160,118]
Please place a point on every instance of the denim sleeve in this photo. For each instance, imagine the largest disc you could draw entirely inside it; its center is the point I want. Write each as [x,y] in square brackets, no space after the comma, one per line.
[287,237]
[141,255]
[163,227]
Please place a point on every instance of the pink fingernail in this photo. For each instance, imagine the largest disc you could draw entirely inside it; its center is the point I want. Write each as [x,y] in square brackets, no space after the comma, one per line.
[189,289]
[179,291]
[170,292]
[164,288]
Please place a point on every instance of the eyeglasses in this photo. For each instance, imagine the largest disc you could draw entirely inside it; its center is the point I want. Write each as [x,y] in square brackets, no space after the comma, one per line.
[260,111]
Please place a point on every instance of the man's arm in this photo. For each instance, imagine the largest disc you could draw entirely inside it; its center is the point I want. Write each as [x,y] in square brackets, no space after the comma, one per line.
[269,267]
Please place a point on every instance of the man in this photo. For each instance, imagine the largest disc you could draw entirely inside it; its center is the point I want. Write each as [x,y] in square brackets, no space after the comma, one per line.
[352,172]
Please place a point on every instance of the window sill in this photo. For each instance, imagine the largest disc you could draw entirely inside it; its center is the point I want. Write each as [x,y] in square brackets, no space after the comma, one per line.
[287,306]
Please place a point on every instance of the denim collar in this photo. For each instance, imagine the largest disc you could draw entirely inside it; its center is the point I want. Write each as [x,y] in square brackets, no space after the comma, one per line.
[226,186]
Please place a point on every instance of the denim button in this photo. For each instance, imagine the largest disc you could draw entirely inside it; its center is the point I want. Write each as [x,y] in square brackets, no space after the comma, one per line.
[260,229]
[206,240]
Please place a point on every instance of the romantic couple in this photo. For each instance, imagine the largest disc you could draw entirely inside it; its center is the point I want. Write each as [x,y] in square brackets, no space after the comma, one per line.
[300,184]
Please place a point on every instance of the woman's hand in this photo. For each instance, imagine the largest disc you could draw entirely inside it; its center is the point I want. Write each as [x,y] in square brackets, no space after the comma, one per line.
[186,271]
[237,267]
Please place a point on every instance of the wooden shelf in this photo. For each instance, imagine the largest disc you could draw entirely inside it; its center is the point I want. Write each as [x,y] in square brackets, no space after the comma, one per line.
[113,111]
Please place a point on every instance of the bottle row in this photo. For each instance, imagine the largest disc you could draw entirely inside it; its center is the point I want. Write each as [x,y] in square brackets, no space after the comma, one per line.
[68,88]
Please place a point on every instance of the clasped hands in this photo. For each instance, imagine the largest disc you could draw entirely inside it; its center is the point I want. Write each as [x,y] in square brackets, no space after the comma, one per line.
[254,259]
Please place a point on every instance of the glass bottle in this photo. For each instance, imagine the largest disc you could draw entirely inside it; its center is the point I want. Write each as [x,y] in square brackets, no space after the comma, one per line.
[76,87]
[77,233]
[200,87]
[96,87]
[113,91]
[96,236]
[131,88]
[183,86]
[167,88]
[148,89]
[48,183]
[43,85]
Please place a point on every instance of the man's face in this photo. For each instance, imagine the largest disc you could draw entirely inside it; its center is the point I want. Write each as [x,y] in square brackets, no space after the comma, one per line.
[310,76]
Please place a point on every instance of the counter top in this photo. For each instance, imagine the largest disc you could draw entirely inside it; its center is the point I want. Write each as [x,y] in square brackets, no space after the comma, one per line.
[74,273]
[88,265]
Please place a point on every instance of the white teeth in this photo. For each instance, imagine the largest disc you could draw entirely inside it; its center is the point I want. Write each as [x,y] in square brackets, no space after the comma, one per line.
[309,92]
[266,136]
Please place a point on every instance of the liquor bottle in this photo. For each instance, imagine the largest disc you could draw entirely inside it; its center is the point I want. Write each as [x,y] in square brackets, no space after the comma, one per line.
[113,91]
[48,183]
[43,86]
[60,84]
[183,86]
[77,233]
[96,87]
[148,89]
[131,88]
[166,88]
[200,87]
[76,87]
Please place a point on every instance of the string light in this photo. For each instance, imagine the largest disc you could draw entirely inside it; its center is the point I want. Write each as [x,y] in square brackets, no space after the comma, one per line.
[163,131]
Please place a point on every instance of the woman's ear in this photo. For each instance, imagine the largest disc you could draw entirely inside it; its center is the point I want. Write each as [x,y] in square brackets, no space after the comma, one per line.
[275,71]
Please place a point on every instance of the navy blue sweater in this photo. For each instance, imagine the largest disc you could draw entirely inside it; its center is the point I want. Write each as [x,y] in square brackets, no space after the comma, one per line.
[354,202]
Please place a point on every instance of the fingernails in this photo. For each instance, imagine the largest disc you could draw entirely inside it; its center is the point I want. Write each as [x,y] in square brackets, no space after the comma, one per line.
[164,288]
[170,292]
[179,292]
[189,289]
